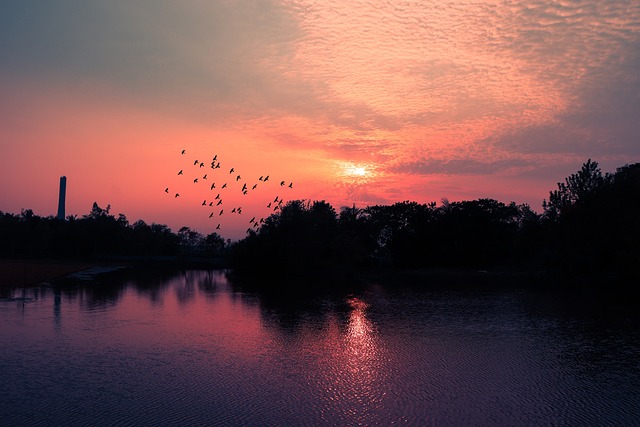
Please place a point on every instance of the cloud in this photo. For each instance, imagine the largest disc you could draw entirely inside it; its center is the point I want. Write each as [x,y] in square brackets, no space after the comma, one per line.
[459,167]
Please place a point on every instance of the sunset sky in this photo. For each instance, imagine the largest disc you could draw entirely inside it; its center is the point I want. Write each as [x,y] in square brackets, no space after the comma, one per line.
[359,102]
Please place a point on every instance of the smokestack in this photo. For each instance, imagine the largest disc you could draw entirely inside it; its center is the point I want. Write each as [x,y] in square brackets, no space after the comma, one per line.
[63,191]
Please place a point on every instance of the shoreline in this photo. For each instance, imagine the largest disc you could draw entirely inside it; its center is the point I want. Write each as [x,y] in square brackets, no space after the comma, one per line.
[16,273]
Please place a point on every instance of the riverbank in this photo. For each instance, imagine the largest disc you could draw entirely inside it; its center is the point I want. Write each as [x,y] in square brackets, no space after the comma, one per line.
[21,272]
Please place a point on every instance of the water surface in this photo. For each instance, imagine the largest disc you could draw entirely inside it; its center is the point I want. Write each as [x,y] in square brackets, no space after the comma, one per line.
[189,348]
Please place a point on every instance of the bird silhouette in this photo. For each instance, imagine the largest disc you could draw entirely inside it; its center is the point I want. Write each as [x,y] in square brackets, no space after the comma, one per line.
[201,165]
[252,220]
[232,170]
[261,178]
[244,187]
[180,173]
[254,186]
[266,178]
[275,200]
[217,197]
[219,202]
[215,158]
[269,205]
[177,195]
[221,211]
[210,203]
[238,178]
[195,162]
[233,210]
[281,183]
[244,192]
[224,185]
[195,181]
[166,190]
[183,151]
[211,214]
[204,203]
[218,227]
[291,185]
[213,186]
[205,176]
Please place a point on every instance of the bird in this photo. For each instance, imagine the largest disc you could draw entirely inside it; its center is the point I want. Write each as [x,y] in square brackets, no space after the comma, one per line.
[201,165]
[180,173]
[261,178]
[254,186]
[266,178]
[240,210]
[224,185]
[217,197]
[177,195]
[232,170]
[233,210]
[204,203]
[238,178]
[275,200]
[195,162]
[281,183]
[219,202]
[166,190]
[218,227]
[221,211]
[269,205]
[215,157]
[252,220]
[244,187]
[211,214]
[210,203]
[205,176]
[213,186]
[195,181]
[183,151]
[291,185]
[244,192]
[249,230]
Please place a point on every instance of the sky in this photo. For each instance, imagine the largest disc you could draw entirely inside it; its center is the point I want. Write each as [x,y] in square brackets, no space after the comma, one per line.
[355,103]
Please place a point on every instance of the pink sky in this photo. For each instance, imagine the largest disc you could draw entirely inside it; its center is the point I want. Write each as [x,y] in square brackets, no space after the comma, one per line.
[354,102]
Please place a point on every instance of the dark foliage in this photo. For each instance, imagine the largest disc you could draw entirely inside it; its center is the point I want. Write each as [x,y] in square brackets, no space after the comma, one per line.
[98,234]
[589,228]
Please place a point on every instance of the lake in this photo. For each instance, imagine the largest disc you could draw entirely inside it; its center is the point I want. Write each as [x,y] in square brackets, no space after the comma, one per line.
[191,348]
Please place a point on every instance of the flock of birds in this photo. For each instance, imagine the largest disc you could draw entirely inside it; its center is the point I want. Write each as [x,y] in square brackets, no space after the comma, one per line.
[221,184]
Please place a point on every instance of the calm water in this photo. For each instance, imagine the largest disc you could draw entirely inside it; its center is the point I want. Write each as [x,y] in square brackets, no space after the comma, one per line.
[189,349]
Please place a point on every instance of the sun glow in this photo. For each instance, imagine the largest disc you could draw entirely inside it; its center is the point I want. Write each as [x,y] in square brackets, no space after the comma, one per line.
[356,170]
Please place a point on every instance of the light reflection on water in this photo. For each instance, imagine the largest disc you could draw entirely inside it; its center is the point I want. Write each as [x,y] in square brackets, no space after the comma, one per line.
[190,349]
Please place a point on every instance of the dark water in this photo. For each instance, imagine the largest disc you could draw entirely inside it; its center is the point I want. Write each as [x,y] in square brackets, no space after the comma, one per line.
[188,349]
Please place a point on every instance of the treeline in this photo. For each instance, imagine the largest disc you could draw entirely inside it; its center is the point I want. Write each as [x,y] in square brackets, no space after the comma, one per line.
[589,225]
[99,234]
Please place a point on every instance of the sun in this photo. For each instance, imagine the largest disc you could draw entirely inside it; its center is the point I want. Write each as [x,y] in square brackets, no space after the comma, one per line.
[359,171]
[355,170]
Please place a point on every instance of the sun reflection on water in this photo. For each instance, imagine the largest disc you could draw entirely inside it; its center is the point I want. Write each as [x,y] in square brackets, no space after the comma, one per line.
[355,376]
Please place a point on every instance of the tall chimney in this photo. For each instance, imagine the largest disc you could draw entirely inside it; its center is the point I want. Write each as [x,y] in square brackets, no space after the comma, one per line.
[63,191]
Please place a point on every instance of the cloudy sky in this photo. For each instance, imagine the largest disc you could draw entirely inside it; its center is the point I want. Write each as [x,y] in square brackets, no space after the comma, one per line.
[365,102]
